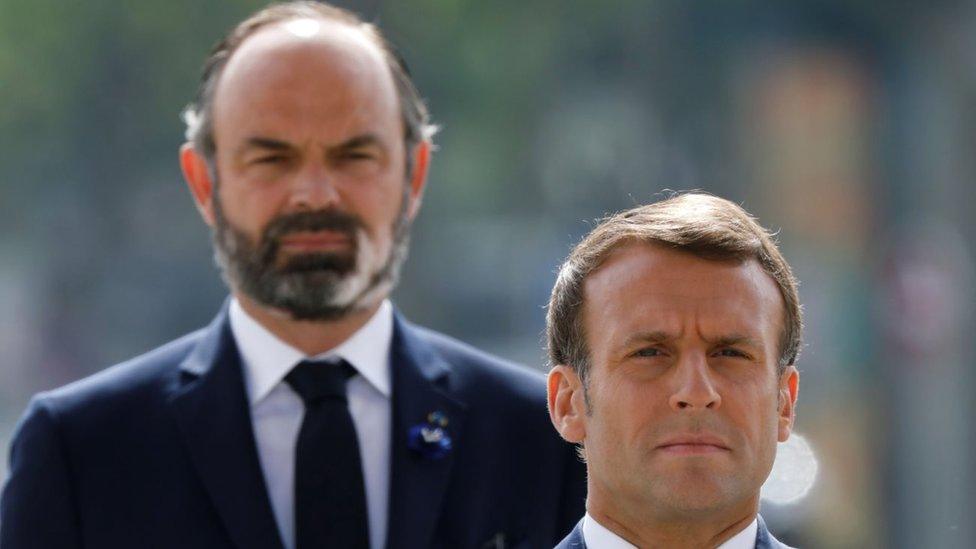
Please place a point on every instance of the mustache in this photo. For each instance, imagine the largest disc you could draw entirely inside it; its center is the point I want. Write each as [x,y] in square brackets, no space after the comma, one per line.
[318,220]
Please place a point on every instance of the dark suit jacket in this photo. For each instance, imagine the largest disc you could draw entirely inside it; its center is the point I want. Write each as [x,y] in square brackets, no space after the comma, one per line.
[764,540]
[159,452]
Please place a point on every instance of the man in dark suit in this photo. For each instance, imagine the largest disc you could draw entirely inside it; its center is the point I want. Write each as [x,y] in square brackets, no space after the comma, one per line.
[309,413]
[673,329]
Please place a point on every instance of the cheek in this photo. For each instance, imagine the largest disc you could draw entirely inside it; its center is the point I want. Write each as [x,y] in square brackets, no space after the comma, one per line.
[252,214]
[753,406]
[377,205]
[766,422]
[626,410]
[248,202]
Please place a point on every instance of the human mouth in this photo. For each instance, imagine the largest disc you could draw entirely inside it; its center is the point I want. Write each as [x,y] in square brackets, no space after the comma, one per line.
[693,445]
[315,241]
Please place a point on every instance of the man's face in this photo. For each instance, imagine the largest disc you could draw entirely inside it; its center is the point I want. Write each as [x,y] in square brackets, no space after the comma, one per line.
[686,405]
[313,204]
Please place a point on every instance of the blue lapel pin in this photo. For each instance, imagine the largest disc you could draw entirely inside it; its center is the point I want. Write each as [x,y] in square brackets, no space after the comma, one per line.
[430,439]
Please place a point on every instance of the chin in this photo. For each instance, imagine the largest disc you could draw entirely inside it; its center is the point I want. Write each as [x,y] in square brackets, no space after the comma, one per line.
[341,300]
[697,492]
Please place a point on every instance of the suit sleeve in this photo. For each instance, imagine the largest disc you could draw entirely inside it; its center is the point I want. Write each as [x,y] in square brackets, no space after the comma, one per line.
[37,508]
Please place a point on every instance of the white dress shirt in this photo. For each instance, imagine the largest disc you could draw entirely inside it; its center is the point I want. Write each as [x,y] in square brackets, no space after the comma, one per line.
[597,536]
[277,411]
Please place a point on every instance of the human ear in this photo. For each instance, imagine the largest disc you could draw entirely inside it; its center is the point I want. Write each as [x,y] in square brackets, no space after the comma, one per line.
[567,405]
[788,389]
[197,176]
[418,177]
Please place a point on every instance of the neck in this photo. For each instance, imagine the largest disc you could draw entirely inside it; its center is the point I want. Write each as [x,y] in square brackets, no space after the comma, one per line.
[311,337]
[692,530]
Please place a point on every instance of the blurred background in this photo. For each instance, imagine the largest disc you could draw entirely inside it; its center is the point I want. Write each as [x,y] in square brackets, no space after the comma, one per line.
[847,125]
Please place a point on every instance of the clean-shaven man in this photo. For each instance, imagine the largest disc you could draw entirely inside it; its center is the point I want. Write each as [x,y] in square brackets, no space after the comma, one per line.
[310,413]
[673,329]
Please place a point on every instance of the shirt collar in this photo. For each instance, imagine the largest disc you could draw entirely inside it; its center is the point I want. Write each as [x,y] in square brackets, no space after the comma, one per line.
[267,359]
[745,539]
[597,536]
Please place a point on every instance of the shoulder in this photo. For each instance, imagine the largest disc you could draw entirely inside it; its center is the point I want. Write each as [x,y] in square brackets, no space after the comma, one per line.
[504,401]
[128,385]
[476,370]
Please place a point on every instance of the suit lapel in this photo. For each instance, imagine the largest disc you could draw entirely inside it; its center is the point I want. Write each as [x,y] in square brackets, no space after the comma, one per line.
[765,540]
[573,540]
[213,414]
[421,381]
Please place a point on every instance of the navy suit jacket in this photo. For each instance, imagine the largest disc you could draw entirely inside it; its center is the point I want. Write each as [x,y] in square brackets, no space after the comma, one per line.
[159,452]
[764,540]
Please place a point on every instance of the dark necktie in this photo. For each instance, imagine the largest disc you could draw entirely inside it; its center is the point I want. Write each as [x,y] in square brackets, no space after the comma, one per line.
[330,497]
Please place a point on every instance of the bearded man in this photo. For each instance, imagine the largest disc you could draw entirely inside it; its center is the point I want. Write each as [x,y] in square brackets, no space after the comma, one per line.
[309,413]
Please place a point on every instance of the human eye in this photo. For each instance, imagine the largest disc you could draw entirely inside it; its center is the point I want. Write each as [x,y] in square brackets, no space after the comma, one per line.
[357,154]
[649,352]
[731,352]
[269,159]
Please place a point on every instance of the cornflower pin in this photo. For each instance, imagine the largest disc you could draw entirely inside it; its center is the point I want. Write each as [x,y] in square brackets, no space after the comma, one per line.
[430,439]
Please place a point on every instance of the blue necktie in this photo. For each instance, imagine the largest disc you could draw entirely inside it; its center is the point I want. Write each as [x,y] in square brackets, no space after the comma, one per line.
[330,497]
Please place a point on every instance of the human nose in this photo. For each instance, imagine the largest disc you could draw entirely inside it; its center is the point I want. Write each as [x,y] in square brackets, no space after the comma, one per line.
[694,387]
[314,188]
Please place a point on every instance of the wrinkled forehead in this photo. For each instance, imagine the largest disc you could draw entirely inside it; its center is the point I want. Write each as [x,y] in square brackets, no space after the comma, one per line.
[646,285]
[326,58]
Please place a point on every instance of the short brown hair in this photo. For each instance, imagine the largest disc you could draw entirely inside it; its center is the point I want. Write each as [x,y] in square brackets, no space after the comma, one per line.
[198,115]
[701,224]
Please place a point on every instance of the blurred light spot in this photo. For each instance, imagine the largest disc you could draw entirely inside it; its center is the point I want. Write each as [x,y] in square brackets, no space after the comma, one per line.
[303,27]
[793,474]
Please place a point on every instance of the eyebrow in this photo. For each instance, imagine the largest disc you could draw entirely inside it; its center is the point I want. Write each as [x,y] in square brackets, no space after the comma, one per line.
[364,140]
[660,336]
[732,340]
[265,143]
[268,143]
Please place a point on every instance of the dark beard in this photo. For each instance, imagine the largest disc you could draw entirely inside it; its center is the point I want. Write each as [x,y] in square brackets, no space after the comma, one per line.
[307,285]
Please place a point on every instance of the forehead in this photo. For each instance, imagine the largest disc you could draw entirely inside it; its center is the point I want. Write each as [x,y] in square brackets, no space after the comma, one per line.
[651,288]
[305,73]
